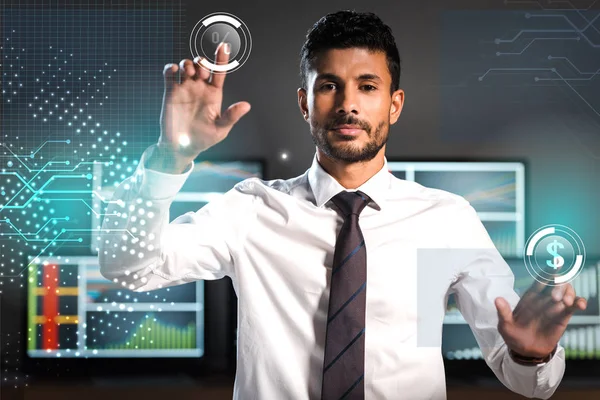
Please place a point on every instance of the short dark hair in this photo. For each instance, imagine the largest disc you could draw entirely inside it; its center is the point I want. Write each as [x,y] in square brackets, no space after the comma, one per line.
[346,29]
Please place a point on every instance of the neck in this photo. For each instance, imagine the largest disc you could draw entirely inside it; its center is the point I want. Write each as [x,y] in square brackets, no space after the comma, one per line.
[351,175]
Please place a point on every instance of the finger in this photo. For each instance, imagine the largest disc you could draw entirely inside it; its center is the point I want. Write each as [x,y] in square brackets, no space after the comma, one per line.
[569,295]
[580,303]
[558,292]
[555,310]
[540,302]
[222,57]
[504,311]
[202,73]
[545,299]
[186,70]
[546,304]
[233,114]
[537,287]
[170,75]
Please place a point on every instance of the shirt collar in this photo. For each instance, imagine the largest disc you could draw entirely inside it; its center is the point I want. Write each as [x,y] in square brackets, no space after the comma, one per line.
[324,186]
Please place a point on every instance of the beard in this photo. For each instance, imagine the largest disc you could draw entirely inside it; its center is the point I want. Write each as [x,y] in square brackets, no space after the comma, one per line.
[341,149]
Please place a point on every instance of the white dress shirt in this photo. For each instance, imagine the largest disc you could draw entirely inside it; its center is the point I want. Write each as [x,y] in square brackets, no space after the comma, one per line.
[275,240]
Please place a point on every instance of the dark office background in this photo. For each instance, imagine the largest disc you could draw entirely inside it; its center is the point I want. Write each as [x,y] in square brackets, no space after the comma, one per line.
[449,114]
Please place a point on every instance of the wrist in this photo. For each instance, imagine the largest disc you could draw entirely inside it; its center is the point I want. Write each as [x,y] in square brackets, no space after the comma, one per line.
[529,360]
[164,159]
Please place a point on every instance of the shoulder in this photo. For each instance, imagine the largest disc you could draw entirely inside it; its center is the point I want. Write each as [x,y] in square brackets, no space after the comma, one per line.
[261,187]
[447,214]
[436,198]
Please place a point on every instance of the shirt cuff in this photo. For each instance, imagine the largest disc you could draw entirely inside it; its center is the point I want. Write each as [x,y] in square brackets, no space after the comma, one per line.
[156,185]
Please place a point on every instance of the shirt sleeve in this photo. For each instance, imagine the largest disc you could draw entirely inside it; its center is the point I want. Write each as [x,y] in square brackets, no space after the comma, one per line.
[483,276]
[140,250]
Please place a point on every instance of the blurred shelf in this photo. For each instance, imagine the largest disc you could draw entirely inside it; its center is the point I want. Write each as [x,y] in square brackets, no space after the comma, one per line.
[457,319]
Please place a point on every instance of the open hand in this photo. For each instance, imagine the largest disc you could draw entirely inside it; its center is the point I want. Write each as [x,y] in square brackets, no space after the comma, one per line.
[535,326]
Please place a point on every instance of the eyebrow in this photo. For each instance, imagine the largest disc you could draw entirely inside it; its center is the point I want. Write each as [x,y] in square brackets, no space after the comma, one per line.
[362,77]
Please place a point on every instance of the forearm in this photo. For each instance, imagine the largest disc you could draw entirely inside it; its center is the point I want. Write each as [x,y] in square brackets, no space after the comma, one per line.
[127,247]
[130,239]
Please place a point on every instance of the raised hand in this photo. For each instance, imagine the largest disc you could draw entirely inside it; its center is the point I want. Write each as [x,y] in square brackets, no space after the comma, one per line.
[535,326]
[191,118]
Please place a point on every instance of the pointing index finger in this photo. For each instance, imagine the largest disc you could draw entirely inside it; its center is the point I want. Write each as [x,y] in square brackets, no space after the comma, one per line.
[538,287]
[217,78]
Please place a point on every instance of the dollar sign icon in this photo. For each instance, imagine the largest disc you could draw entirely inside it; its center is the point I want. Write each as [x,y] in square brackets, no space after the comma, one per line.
[557,260]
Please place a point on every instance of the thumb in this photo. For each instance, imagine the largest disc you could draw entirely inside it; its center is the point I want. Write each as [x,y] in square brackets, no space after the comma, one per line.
[233,114]
[504,311]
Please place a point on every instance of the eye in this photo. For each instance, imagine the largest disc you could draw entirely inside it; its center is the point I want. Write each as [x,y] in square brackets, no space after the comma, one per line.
[370,86]
[326,85]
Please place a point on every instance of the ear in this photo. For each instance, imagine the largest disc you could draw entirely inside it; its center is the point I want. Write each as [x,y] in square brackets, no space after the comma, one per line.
[303,103]
[397,104]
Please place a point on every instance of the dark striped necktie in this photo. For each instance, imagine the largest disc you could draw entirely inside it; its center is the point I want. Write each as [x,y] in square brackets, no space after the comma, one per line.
[344,362]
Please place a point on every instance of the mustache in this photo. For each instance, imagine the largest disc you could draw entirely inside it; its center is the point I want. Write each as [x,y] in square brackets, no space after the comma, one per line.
[350,122]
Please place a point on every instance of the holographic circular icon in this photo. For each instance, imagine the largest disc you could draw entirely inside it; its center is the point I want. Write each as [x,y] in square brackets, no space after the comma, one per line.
[215,29]
[554,255]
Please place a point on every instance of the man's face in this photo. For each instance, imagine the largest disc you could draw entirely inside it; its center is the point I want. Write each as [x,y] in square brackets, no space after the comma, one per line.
[350,86]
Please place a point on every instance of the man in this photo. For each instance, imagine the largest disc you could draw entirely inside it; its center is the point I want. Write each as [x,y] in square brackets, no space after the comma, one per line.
[327,305]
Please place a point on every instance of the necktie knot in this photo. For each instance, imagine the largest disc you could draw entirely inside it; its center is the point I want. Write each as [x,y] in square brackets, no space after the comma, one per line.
[350,202]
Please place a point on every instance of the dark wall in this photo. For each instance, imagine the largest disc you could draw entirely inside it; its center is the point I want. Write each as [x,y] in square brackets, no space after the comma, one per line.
[555,130]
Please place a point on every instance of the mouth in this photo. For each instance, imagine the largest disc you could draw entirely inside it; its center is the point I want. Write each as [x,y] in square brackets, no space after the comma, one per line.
[348,130]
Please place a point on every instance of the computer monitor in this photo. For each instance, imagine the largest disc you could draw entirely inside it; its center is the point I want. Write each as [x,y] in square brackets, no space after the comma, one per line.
[495,189]
[73,311]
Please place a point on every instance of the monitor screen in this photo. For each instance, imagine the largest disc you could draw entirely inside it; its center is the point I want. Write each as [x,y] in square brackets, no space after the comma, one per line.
[496,190]
[73,311]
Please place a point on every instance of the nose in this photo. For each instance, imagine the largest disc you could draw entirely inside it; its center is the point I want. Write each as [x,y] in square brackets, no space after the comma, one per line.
[347,101]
